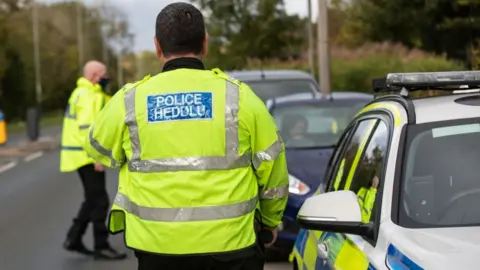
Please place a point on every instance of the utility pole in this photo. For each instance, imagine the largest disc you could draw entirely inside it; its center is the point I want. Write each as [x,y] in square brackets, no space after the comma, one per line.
[105,51]
[323,50]
[36,53]
[310,39]
[119,66]
[103,8]
[80,36]
[33,114]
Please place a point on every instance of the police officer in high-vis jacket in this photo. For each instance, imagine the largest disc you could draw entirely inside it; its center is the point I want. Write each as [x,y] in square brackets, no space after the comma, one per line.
[84,104]
[202,167]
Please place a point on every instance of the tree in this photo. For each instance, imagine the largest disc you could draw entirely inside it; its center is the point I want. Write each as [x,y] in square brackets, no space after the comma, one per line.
[259,29]
[439,26]
[58,51]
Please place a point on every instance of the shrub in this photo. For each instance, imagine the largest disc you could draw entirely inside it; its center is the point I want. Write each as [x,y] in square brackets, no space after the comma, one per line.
[353,70]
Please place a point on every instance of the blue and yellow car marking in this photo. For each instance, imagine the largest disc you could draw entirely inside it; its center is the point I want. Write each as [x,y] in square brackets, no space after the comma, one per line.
[343,253]
[396,260]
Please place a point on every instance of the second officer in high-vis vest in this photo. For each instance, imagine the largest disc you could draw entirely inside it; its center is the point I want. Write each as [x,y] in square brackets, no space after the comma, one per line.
[202,167]
[84,104]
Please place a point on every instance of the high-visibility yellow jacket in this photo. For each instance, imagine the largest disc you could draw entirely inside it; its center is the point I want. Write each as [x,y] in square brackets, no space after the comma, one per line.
[366,199]
[84,104]
[198,156]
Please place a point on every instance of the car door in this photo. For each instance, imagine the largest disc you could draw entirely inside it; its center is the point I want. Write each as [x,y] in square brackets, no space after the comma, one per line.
[358,158]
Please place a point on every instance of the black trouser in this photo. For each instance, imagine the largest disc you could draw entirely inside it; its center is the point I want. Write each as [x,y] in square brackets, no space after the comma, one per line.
[250,259]
[94,208]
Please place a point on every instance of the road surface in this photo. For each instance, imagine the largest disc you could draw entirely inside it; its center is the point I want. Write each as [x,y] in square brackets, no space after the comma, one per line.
[19,137]
[36,207]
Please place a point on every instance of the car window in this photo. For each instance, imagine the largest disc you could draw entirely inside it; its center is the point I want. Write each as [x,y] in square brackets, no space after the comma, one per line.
[315,125]
[440,181]
[267,89]
[333,160]
[368,175]
[341,176]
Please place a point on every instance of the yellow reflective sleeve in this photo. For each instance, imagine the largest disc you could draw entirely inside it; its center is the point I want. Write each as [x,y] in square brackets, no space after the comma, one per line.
[268,158]
[366,199]
[105,136]
[368,204]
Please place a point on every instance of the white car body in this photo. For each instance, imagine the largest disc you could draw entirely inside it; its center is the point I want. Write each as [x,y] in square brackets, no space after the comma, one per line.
[436,248]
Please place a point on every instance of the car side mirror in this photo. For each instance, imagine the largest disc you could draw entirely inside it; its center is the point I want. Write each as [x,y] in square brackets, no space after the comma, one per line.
[337,211]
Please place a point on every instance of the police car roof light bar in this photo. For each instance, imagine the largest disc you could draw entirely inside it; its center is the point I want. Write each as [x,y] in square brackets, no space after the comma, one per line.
[450,80]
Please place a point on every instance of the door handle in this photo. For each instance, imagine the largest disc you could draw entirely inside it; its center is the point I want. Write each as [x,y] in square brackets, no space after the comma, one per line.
[322,249]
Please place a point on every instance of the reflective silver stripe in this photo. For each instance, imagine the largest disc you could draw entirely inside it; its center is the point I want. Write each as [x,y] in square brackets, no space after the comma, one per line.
[102,150]
[230,160]
[131,122]
[270,154]
[72,148]
[185,214]
[84,126]
[74,114]
[274,193]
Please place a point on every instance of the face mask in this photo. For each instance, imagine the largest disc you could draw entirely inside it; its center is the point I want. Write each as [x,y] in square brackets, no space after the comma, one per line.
[103,82]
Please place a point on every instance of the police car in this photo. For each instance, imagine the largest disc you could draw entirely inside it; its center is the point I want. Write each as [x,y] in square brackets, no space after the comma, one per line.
[402,187]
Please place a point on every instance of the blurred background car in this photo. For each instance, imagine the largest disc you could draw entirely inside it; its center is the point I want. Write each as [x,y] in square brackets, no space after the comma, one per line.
[310,127]
[268,84]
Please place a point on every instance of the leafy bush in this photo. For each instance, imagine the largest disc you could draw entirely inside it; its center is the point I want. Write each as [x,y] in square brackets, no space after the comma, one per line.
[354,69]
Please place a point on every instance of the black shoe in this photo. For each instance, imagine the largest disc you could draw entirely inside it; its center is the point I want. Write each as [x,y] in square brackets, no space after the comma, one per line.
[109,254]
[76,246]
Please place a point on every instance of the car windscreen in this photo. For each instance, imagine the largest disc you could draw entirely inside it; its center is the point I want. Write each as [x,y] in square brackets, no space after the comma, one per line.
[440,183]
[315,125]
[267,89]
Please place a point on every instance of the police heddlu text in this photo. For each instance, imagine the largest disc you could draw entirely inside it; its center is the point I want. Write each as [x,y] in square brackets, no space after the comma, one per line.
[181,106]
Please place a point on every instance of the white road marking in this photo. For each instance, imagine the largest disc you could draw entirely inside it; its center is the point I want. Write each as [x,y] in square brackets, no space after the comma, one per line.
[8,166]
[33,156]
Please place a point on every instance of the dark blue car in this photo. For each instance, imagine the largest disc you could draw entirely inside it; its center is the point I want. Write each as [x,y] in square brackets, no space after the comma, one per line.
[310,126]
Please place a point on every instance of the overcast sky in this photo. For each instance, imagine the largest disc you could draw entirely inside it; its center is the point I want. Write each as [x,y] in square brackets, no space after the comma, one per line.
[142,15]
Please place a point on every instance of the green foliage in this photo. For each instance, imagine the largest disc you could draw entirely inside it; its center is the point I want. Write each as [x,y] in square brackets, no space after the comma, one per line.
[353,70]
[58,52]
[439,26]
[259,29]
[147,63]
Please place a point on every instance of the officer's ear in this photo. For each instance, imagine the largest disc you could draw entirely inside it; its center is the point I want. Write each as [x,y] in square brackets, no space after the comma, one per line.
[205,45]
[158,48]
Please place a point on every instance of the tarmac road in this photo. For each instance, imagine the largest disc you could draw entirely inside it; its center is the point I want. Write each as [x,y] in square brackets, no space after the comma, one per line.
[37,204]
[14,139]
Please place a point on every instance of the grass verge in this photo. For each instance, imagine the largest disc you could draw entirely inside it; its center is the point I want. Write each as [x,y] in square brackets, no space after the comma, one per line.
[51,119]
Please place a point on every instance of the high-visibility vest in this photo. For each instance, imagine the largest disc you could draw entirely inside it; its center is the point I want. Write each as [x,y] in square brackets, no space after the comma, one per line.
[84,104]
[198,157]
[366,199]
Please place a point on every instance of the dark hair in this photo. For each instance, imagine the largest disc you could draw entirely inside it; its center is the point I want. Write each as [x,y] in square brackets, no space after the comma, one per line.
[180,29]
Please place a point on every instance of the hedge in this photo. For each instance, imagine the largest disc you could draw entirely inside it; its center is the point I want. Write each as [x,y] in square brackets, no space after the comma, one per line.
[354,69]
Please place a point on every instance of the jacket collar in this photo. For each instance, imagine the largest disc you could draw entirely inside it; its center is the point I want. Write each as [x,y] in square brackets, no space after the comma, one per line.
[83,82]
[183,62]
